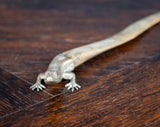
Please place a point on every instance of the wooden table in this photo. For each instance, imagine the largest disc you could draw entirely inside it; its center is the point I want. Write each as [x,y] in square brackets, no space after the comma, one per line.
[120,88]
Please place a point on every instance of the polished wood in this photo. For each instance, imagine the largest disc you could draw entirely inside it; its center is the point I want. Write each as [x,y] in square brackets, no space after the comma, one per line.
[14,94]
[119,88]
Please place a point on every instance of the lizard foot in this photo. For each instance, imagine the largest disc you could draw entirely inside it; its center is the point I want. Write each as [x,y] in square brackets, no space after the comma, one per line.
[37,86]
[72,85]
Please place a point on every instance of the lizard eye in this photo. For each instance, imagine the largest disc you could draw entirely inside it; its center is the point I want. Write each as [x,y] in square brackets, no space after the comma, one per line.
[56,74]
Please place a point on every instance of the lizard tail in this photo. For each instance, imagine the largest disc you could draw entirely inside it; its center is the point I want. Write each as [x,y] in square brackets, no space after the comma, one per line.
[82,54]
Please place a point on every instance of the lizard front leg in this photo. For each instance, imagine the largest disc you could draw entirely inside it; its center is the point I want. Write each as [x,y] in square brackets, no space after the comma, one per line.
[72,84]
[38,85]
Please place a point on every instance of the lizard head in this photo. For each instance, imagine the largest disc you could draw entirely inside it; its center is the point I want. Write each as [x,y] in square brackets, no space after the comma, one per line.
[52,77]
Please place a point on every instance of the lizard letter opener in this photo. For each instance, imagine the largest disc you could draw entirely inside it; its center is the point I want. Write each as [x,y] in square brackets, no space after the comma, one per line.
[63,64]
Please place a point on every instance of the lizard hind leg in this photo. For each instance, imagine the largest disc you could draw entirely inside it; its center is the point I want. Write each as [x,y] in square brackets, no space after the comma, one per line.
[72,84]
[38,85]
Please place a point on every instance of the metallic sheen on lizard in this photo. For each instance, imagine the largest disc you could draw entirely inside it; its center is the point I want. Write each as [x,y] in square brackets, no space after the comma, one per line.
[62,65]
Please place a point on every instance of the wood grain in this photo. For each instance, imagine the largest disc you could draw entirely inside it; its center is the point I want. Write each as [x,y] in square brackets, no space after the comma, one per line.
[119,88]
[129,97]
[14,94]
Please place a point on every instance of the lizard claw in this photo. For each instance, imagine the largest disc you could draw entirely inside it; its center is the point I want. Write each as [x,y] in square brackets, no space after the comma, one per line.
[37,86]
[73,86]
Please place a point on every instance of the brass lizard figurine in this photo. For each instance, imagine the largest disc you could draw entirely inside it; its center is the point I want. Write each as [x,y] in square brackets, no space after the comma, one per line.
[62,65]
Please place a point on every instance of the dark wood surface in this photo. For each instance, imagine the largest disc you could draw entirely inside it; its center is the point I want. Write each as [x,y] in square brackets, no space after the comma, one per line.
[119,88]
